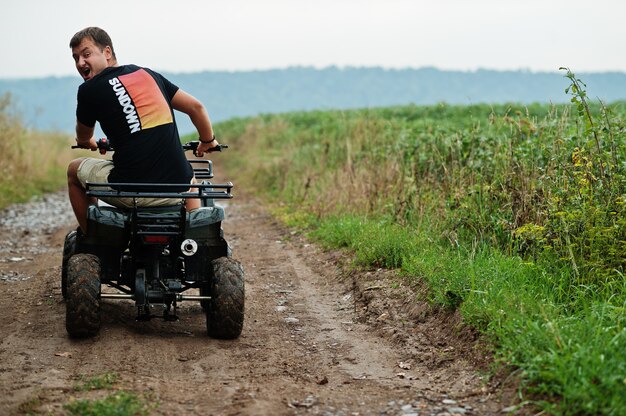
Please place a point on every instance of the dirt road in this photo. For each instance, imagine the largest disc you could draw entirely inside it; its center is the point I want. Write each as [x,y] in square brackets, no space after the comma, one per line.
[314,341]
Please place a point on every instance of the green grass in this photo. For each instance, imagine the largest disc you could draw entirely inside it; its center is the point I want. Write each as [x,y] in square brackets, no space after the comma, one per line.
[515,215]
[120,403]
[97,382]
[578,360]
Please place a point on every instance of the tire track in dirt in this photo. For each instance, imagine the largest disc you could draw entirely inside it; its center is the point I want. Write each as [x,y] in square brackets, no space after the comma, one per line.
[312,341]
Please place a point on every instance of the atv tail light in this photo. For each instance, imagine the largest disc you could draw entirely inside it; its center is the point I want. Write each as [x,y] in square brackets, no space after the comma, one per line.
[156,239]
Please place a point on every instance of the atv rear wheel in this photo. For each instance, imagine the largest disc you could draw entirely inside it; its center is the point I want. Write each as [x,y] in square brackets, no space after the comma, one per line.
[69,248]
[82,317]
[225,310]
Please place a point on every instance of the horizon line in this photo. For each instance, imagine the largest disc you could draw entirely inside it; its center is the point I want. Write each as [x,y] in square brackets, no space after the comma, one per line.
[333,67]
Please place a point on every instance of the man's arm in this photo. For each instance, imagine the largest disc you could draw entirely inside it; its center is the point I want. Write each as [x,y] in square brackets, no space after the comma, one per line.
[199,117]
[84,136]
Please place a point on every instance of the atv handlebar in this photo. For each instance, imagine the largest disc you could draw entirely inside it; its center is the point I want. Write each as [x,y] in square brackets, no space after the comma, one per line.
[104,145]
[193,146]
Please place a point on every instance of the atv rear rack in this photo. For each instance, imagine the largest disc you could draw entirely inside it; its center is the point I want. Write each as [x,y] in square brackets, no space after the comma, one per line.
[202,172]
[124,190]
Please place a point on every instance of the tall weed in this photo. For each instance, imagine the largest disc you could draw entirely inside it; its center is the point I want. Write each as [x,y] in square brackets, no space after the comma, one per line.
[31,162]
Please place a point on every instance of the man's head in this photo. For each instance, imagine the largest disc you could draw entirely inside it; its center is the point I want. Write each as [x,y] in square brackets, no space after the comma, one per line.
[92,50]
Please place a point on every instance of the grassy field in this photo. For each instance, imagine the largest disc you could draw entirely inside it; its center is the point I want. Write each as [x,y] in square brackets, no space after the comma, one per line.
[32,162]
[515,215]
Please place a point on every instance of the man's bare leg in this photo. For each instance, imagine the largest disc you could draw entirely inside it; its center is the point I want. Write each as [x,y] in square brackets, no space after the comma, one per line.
[78,197]
[191,204]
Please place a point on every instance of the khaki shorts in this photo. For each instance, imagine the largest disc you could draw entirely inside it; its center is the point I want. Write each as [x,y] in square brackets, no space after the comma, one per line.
[97,171]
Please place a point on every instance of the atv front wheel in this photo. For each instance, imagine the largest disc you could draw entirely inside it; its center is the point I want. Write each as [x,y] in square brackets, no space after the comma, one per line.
[69,248]
[82,317]
[224,314]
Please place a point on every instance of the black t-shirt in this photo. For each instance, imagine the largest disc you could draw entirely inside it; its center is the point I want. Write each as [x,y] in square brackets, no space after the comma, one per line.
[133,106]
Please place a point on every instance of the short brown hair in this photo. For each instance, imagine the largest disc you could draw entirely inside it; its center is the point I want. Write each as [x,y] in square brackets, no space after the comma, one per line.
[99,37]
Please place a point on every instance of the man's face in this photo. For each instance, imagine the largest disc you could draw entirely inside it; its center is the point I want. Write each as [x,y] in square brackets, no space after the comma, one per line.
[89,59]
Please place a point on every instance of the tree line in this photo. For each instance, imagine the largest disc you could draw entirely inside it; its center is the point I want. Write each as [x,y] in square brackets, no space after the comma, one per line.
[49,103]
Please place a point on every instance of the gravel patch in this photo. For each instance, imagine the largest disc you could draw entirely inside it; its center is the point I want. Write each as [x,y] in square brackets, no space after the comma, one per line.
[44,214]
[11,276]
[21,230]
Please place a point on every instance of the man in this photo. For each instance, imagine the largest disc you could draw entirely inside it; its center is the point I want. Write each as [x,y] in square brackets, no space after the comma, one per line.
[134,107]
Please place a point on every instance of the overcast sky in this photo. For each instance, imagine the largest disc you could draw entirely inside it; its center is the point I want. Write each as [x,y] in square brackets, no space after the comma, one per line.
[235,35]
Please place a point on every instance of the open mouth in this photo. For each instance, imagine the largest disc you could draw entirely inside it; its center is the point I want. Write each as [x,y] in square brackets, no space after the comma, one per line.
[85,72]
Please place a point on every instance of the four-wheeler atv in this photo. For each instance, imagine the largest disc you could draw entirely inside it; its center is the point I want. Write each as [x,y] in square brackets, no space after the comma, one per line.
[154,255]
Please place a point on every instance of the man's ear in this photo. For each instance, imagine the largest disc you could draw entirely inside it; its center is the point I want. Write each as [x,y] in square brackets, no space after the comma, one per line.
[108,53]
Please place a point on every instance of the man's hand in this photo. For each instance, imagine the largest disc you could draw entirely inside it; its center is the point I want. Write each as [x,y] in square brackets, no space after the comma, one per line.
[203,147]
[88,143]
